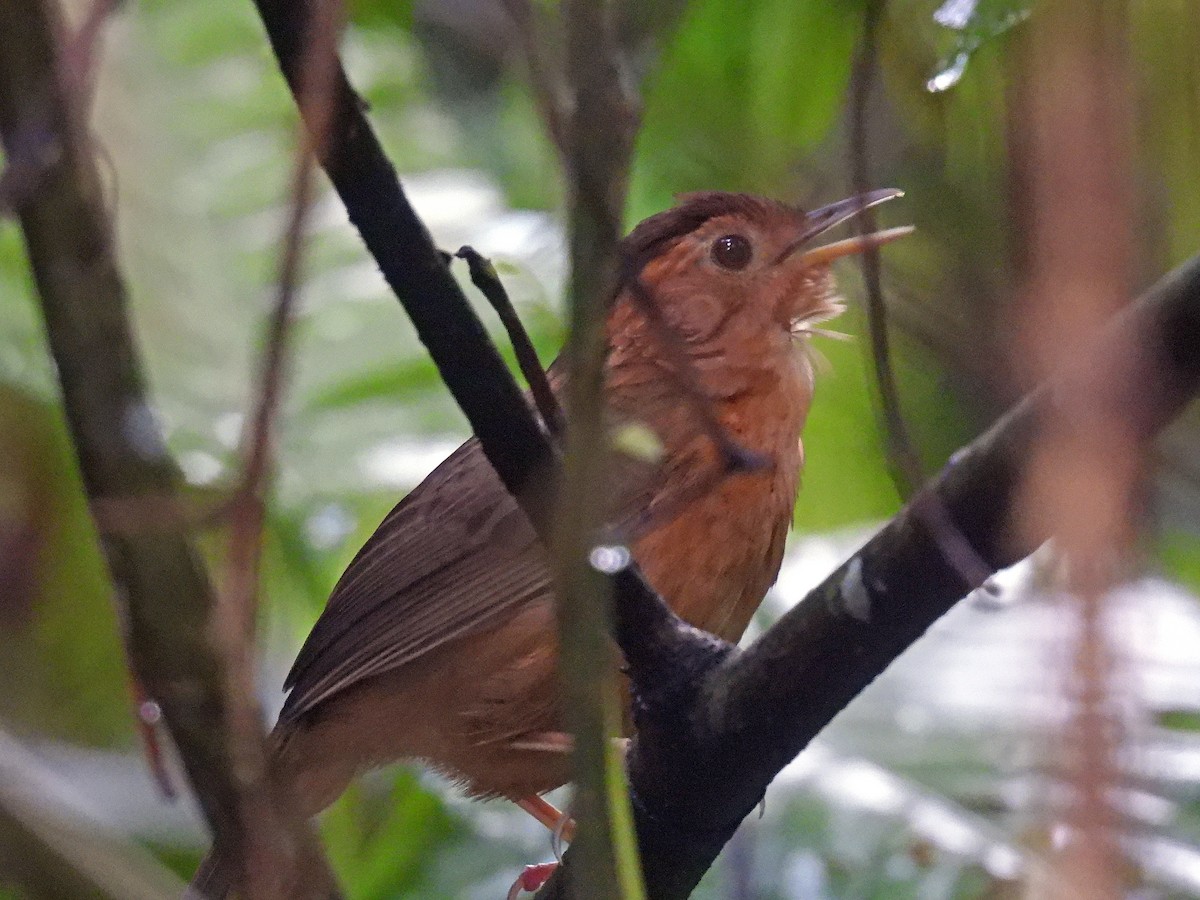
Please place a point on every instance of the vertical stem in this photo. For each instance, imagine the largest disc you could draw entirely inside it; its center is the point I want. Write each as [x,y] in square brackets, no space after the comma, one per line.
[599,148]
[1074,201]
[903,462]
[235,619]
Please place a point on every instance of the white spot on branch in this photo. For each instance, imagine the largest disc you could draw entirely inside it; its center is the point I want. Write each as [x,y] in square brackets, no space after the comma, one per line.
[856,601]
[609,559]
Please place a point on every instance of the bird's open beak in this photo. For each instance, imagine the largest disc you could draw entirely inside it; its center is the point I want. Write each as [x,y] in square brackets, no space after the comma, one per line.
[821,220]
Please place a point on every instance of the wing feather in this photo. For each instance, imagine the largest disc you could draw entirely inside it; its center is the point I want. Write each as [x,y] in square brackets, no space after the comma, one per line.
[450,559]
[453,558]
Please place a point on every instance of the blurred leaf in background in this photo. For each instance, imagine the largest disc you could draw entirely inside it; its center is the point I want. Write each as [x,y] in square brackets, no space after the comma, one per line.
[63,670]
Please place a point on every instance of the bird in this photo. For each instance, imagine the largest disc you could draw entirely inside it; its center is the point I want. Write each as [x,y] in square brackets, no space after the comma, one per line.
[438,643]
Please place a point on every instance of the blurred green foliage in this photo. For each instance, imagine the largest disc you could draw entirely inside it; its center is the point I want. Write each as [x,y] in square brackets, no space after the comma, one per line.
[58,626]
[745,93]
[196,129]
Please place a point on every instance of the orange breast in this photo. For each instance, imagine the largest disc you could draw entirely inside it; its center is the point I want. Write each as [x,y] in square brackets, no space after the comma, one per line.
[715,560]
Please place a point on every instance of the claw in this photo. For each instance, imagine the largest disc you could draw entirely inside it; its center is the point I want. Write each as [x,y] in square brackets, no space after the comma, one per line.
[532,878]
[563,829]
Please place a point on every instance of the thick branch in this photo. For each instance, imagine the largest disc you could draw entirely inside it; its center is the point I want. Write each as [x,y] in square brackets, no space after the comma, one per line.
[160,580]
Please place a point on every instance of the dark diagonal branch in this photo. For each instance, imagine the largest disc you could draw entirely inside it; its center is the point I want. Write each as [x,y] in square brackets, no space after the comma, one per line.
[163,590]
[396,238]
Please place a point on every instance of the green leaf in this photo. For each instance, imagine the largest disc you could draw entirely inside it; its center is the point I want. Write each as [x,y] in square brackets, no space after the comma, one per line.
[1179,719]
[744,93]
[388,382]
[637,441]
[382,13]
[846,480]
[383,842]
[1179,554]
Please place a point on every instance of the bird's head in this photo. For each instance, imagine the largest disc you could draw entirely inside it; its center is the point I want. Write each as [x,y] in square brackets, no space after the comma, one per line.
[730,271]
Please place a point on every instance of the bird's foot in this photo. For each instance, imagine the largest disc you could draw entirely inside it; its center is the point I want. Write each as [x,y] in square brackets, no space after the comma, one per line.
[532,878]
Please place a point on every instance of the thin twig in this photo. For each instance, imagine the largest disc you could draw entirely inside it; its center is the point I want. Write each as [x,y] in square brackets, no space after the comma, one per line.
[682,371]
[903,462]
[149,721]
[147,713]
[237,603]
[248,509]
[484,277]
[545,84]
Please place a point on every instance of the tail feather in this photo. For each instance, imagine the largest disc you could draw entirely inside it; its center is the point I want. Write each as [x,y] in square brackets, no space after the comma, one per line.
[318,776]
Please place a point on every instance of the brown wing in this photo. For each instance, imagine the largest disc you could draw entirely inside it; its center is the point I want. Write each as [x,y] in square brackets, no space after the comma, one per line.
[450,559]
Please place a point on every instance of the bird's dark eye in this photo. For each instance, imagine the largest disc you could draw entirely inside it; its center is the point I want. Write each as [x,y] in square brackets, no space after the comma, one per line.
[732,252]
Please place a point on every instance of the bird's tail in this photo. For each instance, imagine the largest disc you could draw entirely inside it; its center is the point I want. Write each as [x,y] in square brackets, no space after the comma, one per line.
[316,781]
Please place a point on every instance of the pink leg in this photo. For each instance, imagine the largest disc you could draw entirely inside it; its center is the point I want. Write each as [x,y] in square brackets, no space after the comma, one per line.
[549,815]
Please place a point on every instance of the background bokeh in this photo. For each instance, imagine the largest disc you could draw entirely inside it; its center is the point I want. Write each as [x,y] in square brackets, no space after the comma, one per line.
[938,781]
